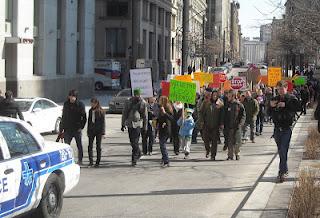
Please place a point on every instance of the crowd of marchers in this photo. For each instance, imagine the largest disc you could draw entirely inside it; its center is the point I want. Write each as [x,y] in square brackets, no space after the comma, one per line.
[231,117]
[234,117]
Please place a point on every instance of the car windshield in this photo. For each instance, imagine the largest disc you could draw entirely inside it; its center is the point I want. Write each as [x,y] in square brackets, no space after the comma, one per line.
[24,105]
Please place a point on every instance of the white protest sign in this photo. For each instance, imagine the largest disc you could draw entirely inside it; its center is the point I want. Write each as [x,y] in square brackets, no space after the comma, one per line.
[141,79]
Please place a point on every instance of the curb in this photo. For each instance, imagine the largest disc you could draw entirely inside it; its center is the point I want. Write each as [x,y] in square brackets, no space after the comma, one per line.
[269,198]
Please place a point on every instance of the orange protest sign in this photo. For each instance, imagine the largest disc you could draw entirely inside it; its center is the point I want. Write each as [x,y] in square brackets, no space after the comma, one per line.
[263,79]
[274,76]
[227,85]
[184,78]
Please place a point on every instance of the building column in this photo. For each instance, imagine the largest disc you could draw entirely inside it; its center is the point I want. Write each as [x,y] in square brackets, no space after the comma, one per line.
[86,37]
[2,40]
[68,36]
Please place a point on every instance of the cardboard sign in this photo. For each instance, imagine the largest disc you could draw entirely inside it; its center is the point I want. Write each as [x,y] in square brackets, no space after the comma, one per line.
[215,83]
[300,80]
[185,78]
[238,83]
[263,79]
[274,76]
[183,91]
[165,86]
[141,79]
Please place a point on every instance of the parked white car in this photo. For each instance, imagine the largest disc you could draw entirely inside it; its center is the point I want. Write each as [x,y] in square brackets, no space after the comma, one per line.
[34,173]
[41,113]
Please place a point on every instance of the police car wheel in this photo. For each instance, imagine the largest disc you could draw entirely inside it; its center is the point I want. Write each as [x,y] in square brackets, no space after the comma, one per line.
[57,126]
[52,198]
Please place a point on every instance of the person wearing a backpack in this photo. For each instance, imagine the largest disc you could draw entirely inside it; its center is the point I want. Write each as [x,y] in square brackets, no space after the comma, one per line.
[135,118]
[186,124]
[95,130]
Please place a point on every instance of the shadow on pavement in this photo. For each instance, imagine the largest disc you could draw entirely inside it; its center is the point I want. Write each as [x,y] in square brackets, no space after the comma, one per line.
[169,192]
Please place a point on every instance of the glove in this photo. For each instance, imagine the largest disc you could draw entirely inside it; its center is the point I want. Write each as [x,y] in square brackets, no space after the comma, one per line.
[123,128]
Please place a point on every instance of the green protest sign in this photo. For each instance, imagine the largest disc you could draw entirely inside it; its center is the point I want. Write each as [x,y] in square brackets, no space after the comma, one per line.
[300,81]
[183,91]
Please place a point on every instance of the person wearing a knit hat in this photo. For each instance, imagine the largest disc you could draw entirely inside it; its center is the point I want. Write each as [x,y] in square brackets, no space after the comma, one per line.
[134,117]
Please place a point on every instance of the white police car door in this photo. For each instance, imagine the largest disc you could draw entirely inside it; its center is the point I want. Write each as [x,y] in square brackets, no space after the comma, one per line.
[22,148]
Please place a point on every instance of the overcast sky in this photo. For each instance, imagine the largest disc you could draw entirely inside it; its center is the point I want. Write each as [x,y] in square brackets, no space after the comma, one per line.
[254,13]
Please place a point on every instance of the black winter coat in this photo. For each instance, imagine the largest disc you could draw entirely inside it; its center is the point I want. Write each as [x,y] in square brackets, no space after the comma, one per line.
[10,108]
[98,126]
[74,116]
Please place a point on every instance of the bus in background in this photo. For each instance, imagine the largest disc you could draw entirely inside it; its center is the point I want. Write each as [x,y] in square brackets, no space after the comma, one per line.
[107,74]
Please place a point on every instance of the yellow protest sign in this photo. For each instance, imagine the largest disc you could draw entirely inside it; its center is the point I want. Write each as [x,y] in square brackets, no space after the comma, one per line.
[198,77]
[274,76]
[207,77]
[184,78]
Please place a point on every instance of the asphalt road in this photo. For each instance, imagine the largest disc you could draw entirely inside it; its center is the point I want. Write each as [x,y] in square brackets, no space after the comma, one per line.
[188,188]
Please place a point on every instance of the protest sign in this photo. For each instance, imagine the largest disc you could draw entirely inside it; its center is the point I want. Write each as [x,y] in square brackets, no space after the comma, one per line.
[207,78]
[227,85]
[183,91]
[165,86]
[300,80]
[185,78]
[274,76]
[141,79]
[198,77]
[238,82]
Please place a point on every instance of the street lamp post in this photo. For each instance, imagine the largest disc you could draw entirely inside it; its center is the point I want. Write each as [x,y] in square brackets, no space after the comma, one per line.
[185,40]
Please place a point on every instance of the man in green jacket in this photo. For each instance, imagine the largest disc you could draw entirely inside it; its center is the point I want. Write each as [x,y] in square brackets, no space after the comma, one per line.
[211,116]
[251,106]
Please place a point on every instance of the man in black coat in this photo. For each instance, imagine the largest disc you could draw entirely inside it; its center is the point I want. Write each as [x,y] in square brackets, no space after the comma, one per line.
[10,108]
[74,119]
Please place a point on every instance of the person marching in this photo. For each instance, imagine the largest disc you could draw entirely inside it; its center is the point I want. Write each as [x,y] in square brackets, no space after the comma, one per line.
[95,130]
[212,117]
[234,119]
[283,109]
[134,117]
[252,109]
[186,128]
[177,113]
[165,119]
[260,117]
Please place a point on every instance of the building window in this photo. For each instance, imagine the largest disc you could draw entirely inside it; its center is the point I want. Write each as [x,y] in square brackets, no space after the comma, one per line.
[144,43]
[151,45]
[152,14]
[172,49]
[160,48]
[166,43]
[160,16]
[117,8]
[145,10]
[173,22]
[116,42]
[8,12]
[168,20]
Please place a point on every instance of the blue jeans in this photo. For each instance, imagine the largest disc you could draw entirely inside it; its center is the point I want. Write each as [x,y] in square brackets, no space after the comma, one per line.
[163,147]
[282,138]
[77,135]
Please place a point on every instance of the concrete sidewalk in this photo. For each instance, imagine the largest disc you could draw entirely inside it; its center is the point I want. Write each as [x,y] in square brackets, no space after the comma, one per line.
[271,199]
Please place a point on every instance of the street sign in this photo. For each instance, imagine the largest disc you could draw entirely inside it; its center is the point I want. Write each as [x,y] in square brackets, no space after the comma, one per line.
[274,76]
[238,83]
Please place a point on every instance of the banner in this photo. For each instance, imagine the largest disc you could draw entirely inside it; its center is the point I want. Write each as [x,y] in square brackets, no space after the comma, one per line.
[165,86]
[274,76]
[141,79]
[238,82]
[183,91]
[227,85]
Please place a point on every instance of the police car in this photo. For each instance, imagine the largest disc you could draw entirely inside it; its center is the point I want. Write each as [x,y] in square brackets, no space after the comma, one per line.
[34,174]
